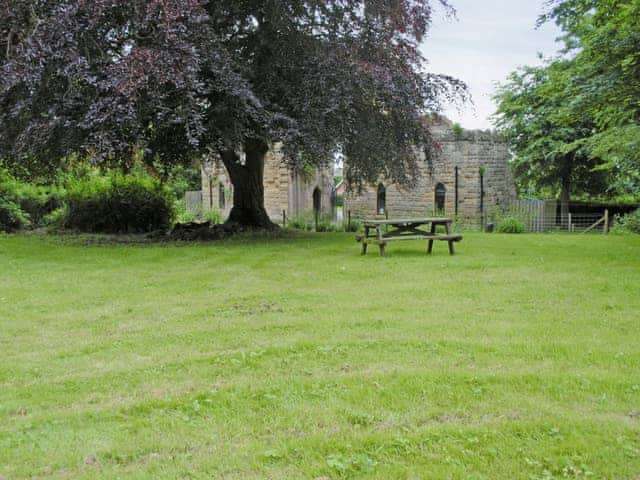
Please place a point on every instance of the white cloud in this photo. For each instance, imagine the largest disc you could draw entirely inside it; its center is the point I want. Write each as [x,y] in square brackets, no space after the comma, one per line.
[489,40]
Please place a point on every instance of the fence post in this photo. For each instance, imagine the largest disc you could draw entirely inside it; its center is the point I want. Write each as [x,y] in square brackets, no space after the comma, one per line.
[482,198]
[569,227]
[606,221]
[210,192]
[284,218]
[456,191]
[348,219]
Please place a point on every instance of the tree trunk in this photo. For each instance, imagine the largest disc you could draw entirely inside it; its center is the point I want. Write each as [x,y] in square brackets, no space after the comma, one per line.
[248,186]
[565,193]
[564,203]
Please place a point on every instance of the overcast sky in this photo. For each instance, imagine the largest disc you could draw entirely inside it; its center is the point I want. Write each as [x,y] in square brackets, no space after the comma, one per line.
[490,39]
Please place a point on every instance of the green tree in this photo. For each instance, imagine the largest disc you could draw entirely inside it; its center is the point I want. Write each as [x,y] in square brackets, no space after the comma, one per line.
[602,43]
[536,115]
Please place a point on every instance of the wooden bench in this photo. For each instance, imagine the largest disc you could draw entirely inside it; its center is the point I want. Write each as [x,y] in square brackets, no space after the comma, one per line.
[407,229]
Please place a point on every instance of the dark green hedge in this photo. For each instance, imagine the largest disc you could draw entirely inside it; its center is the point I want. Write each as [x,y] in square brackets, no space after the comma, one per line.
[119,204]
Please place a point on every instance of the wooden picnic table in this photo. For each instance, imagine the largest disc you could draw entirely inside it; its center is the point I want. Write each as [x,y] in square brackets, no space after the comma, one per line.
[406,229]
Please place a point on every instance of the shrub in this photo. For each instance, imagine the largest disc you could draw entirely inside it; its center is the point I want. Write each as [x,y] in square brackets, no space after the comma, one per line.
[213,216]
[180,179]
[457,130]
[34,201]
[56,218]
[326,226]
[308,222]
[300,223]
[630,223]
[119,204]
[12,217]
[185,216]
[354,226]
[182,215]
[510,224]
[39,201]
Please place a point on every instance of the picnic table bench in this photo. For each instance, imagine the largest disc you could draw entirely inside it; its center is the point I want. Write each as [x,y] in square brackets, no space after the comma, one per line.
[406,229]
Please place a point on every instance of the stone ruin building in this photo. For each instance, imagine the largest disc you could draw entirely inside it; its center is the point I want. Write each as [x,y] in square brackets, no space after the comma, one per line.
[295,193]
[468,177]
[451,183]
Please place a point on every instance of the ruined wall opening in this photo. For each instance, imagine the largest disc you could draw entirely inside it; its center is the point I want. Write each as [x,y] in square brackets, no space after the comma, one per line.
[317,199]
[381,200]
[221,198]
[441,196]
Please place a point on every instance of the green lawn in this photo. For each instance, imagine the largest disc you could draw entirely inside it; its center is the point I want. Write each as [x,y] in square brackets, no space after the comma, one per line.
[518,358]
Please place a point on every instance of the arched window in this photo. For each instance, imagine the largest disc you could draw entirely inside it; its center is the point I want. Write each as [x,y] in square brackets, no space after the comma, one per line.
[221,199]
[316,199]
[381,202]
[441,194]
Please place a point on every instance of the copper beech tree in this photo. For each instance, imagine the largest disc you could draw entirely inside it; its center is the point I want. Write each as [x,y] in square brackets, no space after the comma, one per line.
[181,78]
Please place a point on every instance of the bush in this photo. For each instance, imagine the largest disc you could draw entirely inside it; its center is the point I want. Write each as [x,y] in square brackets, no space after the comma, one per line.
[213,216]
[180,179]
[510,224]
[300,223]
[182,215]
[353,227]
[630,223]
[55,219]
[39,201]
[326,226]
[35,202]
[308,222]
[119,204]
[12,217]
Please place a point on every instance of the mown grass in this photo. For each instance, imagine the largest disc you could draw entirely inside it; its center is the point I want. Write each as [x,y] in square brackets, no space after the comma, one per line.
[518,358]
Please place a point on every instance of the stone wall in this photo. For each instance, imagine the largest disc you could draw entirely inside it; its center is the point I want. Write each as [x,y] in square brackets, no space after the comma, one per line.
[276,184]
[284,190]
[301,191]
[467,150]
[217,191]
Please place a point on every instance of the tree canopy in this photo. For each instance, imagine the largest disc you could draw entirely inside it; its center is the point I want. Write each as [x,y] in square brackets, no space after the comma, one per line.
[547,140]
[180,78]
[583,105]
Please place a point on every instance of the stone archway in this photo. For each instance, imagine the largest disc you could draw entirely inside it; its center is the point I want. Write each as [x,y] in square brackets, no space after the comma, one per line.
[381,199]
[440,197]
[317,199]
[222,203]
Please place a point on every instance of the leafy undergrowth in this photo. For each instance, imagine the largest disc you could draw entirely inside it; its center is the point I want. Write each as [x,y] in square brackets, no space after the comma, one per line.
[298,358]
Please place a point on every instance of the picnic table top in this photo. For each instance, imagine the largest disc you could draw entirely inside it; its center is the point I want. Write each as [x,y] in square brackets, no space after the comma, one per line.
[405,221]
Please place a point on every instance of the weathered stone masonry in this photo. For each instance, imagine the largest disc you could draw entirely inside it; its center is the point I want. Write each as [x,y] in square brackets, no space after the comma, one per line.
[469,151]
[284,190]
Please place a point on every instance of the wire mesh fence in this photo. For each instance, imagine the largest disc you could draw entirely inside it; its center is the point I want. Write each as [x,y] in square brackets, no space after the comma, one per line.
[533,216]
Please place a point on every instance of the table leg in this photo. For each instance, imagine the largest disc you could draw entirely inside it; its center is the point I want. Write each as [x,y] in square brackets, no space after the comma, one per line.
[364,241]
[432,232]
[381,243]
[447,228]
